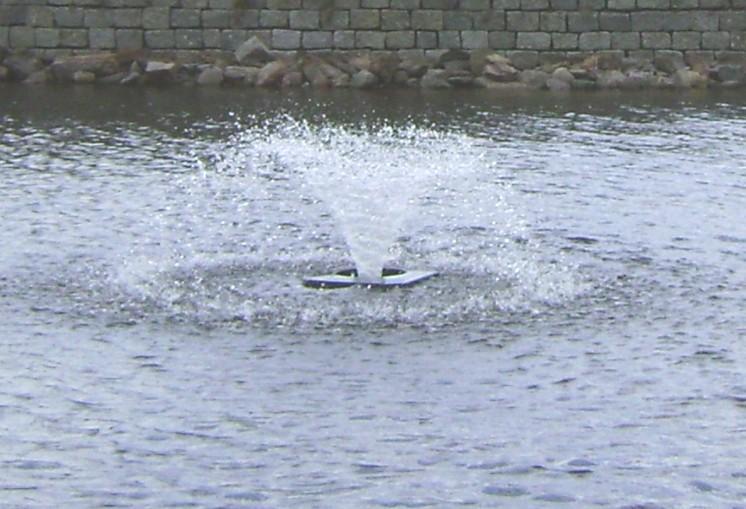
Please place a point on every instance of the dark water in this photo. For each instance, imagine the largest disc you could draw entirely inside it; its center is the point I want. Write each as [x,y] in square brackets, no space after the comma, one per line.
[583,347]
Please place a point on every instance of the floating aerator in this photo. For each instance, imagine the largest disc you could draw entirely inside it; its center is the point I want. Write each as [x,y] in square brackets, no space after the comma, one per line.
[389,278]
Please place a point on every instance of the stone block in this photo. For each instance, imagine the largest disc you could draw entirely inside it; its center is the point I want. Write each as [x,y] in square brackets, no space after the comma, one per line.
[274,19]
[127,18]
[489,20]
[40,17]
[533,40]
[21,37]
[647,21]
[102,38]
[160,39]
[457,20]
[675,21]
[615,21]
[621,5]
[564,5]
[591,5]
[405,4]
[553,22]
[216,18]
[286,39]
[715,40]
[224,4]
[229,40]
[156,18]
[187,38]
[395,20]
[400,39]
[738,41]
[733,20]
[284,4]
[335,20]
[534,5]
[98,18]
[68,17]
[625,40]
[245,19]
[474,39]
[11,15]
[344,39]
[449,39]
[564,41]
[365,19]
[582,21]
[185,18]
[370,39]
[687,40]
[503,5]
[593,41]
[653,4]
[445,5]
[684,4]
[474,5]
[519,21]
[4,39]
[317,5]
[501,40]
[212,38]
[427,20]
[317,40]
[427,40]
[705,21]
[72,38]
[656,40]
[717,4]
[375,4]
[47,37]
[194,4]
[304,20]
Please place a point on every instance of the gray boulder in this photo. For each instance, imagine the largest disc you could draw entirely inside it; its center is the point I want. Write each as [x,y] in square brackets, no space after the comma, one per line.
[100,64]
[38,77]
[292,79]
[534,78]
[558,85]
[210,76]
[686,78]
[669,61]
[435,79]
[610,79]
[729,73]
[21,67]
[364,79]
[499,68]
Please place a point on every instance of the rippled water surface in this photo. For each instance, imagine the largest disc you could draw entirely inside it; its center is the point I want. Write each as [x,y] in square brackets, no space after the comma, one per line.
[583,346]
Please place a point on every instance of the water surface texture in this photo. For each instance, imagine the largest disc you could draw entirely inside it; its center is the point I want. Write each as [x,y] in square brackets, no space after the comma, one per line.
[584,345]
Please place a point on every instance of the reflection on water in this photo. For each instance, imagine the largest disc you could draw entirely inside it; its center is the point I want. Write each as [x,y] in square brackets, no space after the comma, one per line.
[583,347]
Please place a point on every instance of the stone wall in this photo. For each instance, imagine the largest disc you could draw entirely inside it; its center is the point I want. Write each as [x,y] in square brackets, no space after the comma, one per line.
[522,29]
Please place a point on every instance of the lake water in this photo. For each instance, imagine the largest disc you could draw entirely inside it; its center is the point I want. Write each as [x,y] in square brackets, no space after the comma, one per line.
[583,346]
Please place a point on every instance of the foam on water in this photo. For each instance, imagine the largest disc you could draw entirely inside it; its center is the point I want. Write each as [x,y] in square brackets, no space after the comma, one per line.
[285,199]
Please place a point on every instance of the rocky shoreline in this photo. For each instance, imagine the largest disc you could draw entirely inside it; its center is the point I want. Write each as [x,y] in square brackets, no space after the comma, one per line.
[253,64]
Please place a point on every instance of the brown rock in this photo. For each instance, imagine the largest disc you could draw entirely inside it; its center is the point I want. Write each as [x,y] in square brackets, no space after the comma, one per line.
[4,73]
[478,59]
[385,66]
[500,70]
[415,67]
[435,78]
[38,77]
[484,82]
[271,74]
[99,64]
[21,67]
[83,77]
[534,78]
[314,73]
[292,79]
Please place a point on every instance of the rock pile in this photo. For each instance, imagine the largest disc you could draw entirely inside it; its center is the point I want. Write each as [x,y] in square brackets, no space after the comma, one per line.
[253,64]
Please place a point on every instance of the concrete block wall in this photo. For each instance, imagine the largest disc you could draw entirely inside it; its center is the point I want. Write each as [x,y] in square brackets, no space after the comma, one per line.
[528,27]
